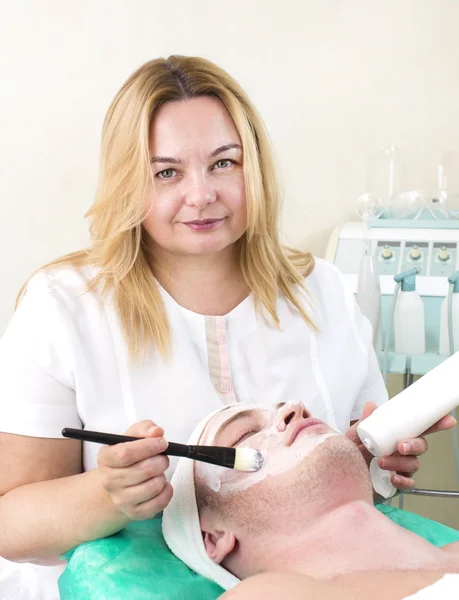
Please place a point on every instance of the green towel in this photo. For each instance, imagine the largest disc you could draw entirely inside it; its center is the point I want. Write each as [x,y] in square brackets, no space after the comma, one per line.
[435,533]
[135,564]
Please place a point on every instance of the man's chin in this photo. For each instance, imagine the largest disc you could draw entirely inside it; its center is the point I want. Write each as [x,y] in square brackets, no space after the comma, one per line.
[332,456]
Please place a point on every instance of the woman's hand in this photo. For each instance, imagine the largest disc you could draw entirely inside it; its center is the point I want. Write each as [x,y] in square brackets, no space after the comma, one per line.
[404,461]
[133,472]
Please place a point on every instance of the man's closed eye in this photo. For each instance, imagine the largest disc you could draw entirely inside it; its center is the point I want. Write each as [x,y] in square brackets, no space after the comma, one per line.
[244,436]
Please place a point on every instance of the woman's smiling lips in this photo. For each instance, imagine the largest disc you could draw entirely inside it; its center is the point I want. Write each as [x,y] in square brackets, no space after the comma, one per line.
[295,429]
[203,224]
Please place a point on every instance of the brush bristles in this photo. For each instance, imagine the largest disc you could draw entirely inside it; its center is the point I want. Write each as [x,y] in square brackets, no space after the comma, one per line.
[248,459]
[241,459]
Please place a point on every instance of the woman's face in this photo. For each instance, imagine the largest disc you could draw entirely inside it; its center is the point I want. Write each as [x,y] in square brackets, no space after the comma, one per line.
[197,205]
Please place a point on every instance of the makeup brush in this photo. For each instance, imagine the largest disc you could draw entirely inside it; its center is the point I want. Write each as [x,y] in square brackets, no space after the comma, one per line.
[241,459]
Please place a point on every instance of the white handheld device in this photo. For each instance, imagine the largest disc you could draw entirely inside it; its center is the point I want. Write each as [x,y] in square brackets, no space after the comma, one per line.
[408,415]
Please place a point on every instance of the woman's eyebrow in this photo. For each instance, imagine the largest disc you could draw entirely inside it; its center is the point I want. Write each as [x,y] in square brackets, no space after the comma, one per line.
[225,148]
[165,159]
[177,161]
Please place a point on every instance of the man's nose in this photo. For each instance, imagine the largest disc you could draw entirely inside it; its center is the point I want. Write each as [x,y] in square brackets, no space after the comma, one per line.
[199,192]
[290,412]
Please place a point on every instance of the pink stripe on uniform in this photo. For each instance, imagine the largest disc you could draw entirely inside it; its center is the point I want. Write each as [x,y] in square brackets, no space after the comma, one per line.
[226,385]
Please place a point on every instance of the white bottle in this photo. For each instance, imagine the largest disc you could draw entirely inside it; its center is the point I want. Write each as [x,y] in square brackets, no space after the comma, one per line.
[409,323]
[408,415]
[444,348]
[369,296]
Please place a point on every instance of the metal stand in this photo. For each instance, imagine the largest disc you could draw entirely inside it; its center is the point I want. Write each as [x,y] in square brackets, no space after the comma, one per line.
[433,493]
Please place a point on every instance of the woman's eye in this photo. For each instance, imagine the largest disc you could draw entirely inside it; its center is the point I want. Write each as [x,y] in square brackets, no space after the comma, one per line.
[224,163]
[166,174]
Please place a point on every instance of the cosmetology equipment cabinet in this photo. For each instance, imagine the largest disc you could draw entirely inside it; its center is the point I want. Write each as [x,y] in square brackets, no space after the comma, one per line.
[427,319]
[430,246]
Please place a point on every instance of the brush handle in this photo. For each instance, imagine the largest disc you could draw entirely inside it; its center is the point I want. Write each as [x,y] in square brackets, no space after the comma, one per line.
[111,439]
[215,455]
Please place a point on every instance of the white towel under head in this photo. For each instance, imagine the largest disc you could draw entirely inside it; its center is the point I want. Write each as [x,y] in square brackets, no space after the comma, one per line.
[181,528]
[446,588]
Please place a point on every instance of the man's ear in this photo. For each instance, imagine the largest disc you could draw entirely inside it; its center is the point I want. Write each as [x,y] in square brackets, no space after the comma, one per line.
[219,542]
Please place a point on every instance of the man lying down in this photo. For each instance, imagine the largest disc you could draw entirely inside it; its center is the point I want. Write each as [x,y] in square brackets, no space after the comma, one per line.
[302,526]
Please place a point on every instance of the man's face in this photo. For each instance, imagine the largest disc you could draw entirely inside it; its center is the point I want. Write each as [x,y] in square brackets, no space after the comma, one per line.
[308,468]
[285,436]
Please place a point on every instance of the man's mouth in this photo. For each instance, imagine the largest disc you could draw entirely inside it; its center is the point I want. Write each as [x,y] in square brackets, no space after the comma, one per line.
[297,428]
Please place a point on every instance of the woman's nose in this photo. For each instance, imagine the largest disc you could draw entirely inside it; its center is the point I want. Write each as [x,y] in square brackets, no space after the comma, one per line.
[289,412]
[199,192]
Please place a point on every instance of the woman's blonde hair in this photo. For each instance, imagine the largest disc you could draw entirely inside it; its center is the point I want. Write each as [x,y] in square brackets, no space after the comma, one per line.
[119,243]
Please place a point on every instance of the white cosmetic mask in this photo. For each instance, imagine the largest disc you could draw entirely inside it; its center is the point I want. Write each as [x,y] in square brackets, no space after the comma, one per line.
[271,440]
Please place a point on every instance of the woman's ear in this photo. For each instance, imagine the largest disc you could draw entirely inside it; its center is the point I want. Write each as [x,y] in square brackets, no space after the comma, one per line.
[218,543]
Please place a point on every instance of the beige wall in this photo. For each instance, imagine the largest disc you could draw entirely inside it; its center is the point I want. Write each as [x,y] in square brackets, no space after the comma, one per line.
[334,80]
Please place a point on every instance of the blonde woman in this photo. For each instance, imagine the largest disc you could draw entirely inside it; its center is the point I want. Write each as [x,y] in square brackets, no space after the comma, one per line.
[184,300]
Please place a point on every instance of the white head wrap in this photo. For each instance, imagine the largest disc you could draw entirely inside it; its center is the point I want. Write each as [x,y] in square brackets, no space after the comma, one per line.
[181,527]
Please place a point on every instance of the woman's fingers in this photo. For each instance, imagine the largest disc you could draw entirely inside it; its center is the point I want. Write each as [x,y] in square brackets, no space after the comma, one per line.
[130,453]
[403,481]
[147,510]
[139,472]
[145,428]
[414,447]
[400,464]
[445,423]
[133,473]
[144,500]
